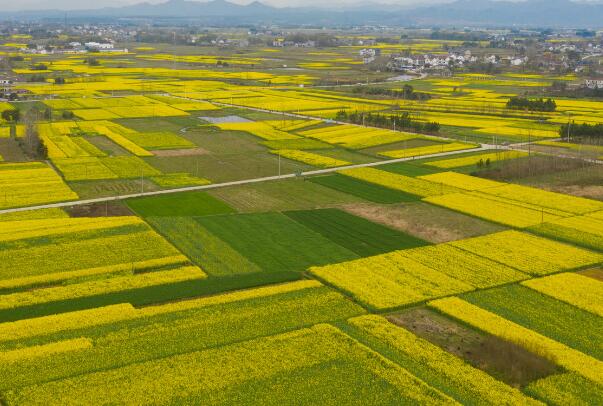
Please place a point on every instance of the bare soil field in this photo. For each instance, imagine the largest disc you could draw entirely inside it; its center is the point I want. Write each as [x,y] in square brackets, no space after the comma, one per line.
[290,194]
[431,223]
[113,209]
[180,152]
[506,361]
[593,273]
[10,150]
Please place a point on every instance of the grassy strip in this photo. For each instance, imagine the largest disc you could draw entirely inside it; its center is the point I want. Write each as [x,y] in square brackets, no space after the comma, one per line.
[408,169]
[359,235]
[179,204]
[213,255]
[364,190]
[275,242]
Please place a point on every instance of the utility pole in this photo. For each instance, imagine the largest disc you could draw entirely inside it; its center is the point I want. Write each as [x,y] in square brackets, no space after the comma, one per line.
[174,55]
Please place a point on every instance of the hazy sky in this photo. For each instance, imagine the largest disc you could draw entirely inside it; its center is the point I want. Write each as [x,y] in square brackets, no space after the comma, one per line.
[12,5]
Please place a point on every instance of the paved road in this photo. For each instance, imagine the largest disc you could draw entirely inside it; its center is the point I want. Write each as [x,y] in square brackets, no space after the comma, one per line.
[240,182]
[234,183]
[482,147]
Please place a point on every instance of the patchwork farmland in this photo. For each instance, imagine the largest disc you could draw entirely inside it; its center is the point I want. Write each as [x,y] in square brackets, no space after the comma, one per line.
[188,232]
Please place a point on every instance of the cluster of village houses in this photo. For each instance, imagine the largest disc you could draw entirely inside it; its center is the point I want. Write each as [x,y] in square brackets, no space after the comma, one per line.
[427,61]
[74,47]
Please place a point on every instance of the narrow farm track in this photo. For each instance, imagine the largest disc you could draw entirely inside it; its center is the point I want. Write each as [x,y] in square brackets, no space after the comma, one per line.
[306,117]
[520,146]
[379,82]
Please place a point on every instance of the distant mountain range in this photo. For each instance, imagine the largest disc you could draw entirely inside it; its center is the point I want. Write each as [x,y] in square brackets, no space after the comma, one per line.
[541,13]
[530,13]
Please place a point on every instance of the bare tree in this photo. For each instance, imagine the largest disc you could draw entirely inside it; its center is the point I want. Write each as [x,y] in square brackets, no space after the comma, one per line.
[32,144]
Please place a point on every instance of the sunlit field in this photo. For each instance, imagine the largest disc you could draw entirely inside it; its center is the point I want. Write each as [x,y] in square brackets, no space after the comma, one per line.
[251,225]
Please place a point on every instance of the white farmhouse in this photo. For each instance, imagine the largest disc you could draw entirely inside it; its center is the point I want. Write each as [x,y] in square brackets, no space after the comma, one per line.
[99,45]
[593,83]
[368,55]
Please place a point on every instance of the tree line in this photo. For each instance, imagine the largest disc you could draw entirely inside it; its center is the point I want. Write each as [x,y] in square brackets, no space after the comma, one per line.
[523,103]
[31,143]
[407,92]
[588,133]
[399,121]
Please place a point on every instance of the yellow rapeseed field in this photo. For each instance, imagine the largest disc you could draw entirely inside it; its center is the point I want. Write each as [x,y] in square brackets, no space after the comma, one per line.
[416,186]
[529,253]
[575,289]
[474,159]
[27,184]
[389,280]
[428,150]
[310,158]
[500,211]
